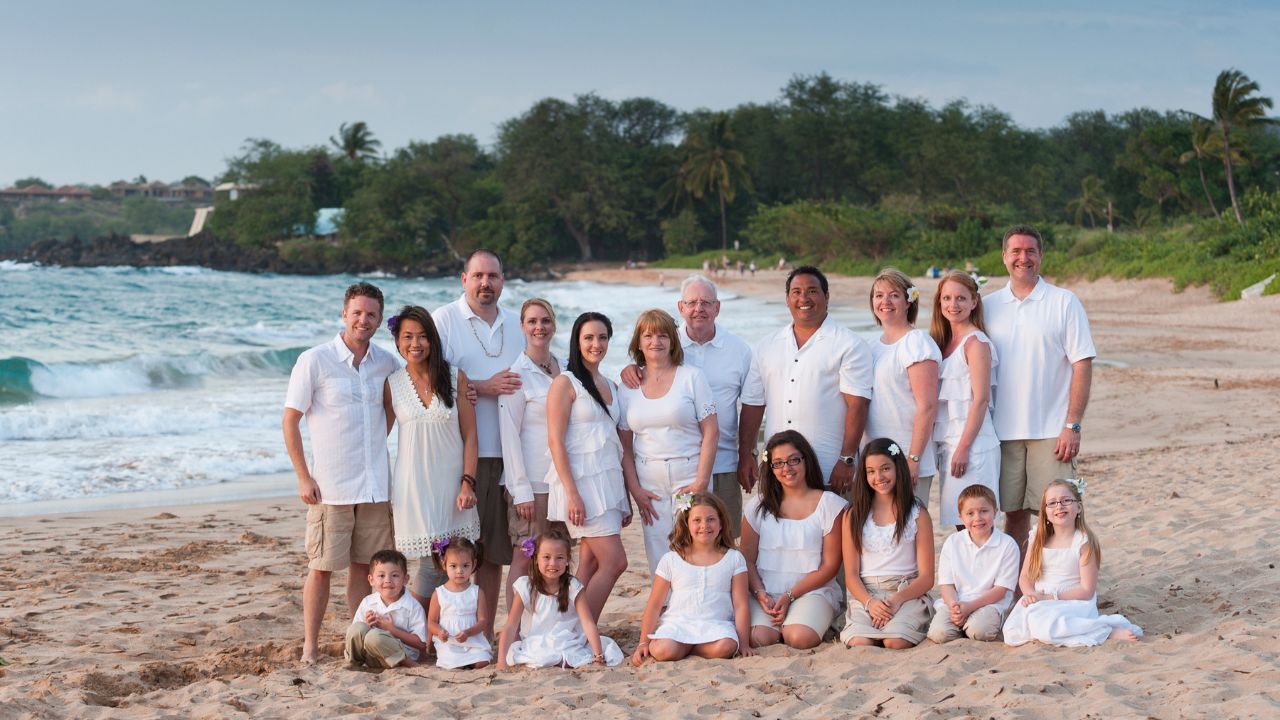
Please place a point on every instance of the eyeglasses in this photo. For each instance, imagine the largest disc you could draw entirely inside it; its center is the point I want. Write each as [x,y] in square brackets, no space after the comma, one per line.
[789,462]
[698,304]
[1063,503]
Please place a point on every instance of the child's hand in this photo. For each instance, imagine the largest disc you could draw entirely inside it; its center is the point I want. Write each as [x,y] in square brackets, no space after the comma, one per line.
[880,611]
[597,659]
[462,635]
[642,652]
[745,649]
[442,635]
[382,622]
[1031,598]
[370,618]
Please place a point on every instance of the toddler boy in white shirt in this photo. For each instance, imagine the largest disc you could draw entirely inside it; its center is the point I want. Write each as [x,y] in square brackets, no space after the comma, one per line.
[389,628]
[977,572]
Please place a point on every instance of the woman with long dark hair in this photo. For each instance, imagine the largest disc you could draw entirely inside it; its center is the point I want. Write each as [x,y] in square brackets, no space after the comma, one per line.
[433,486]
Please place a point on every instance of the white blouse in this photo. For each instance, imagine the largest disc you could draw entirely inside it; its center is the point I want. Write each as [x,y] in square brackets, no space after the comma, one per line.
[522,422]
[893,406]
[881,556]
[668,427]
[790,549]
[955,397]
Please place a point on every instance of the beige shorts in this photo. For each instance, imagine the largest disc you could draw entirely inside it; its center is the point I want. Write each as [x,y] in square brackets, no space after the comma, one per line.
[1026,469]
[519,529]
[491,505]
[340,535]
[810,610]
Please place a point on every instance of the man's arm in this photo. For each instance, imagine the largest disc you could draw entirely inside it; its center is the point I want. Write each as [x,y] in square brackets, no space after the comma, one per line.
[308,490]
[748,430]
[855,422]
[1078,399]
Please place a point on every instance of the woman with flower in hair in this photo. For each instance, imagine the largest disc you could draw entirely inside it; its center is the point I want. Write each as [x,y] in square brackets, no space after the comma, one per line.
[904,393]
[433,486]
[1059,579]
[703,582]
[888,554]
[791,540]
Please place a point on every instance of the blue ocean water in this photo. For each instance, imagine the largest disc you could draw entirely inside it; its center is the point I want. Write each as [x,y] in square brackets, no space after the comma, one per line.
[121,379]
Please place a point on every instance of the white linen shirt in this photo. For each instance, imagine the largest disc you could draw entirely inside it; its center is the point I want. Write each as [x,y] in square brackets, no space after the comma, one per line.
[670,426]
[406,614]
[725,361]
[893,405]
[1037,339]
[342,405]
[974,569]
[522,418]
[802,388]
[468,343]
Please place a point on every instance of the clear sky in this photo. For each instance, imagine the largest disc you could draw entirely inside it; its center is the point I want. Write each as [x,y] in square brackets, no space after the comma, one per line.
[98,91]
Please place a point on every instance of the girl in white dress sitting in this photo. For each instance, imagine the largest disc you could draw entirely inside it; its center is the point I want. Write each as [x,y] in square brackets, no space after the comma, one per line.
[454,622]
[1059,604]
[708,614]
[550,615]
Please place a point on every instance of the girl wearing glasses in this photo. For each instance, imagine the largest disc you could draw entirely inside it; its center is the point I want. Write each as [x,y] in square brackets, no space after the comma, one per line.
[792,546]
[1059,580]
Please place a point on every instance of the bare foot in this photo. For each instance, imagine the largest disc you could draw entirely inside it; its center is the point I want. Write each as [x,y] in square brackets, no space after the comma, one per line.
[477,666]
[311,658]
[408,663]
[1122,634]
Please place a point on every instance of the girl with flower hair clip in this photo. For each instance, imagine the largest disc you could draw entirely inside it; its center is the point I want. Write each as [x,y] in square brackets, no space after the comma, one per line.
[703,581]
[888,553]
[1059,579]
[455,618]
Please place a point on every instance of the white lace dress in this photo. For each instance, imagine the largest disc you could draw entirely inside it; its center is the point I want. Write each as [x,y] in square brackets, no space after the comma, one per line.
[549,637]
[955,397]
[700,609]
[595,458]
[457,613]
[425,485]
[1067,623]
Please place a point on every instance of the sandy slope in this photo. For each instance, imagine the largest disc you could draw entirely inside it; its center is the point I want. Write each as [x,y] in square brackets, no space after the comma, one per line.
[195,611]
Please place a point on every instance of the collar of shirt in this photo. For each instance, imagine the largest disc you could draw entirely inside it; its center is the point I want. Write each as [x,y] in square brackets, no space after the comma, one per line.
[716,340]
[991,541]
[1037,292]
[464,307]
[348,357]
[827,323]
[383,608]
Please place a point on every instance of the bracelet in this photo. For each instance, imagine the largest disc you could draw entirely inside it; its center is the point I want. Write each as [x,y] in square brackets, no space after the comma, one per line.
[790,597]
[1055,595]
[469,480]
[598,656]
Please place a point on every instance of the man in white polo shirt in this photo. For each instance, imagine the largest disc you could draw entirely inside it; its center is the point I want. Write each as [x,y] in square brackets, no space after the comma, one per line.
[1041,335]
[812,376]
[338,388]
[484,340]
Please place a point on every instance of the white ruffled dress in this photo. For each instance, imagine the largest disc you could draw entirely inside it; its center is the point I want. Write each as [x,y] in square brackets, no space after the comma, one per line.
[595,458]
[457,613]
[700,609]
[955,398]
[790,549]
[1066,623]
[550,638]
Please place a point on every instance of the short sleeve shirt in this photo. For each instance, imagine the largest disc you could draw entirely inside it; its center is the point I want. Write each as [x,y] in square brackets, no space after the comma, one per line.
[974,569]
[406,614]
[725,360]
[893,405]
[668,427]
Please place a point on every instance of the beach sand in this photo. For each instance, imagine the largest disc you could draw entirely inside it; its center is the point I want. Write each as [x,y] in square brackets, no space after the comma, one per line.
[195,610]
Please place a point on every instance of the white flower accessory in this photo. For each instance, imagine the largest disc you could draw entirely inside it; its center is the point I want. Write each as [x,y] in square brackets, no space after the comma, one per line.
[913,294]
[894,450]
[683,502]
[1079,484]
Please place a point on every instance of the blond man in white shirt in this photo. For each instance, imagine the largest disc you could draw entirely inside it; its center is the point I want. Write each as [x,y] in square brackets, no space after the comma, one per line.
[812,376]
[1041,334]
[484,340]
[338,388]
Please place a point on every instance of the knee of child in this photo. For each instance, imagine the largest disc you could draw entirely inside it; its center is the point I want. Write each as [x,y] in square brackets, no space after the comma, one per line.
[897,644]
[762,636]
[985,634]
[938,634]
[800,637]
[722,648]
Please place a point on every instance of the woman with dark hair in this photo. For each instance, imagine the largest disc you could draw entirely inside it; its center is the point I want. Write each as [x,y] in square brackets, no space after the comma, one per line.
[433,486]
[792,546]
[585,482]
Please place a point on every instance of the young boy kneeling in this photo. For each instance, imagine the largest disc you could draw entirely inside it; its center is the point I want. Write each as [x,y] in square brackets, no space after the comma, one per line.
[977,572]
[389,628]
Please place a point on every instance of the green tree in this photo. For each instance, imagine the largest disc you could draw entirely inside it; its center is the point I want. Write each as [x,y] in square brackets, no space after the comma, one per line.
[1236,108]
[1204,145]
[28,181]
[712,163]
[1092,200]
[356,142]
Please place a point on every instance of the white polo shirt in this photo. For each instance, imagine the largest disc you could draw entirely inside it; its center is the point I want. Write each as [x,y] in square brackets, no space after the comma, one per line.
[974,569]
[1037,341]
[725,361]
[481,351]
[803,388]
[406,614]
[342,405]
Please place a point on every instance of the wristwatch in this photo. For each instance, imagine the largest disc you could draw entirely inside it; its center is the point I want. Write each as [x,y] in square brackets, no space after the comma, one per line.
[848,459]
[913,458]
[1073,427]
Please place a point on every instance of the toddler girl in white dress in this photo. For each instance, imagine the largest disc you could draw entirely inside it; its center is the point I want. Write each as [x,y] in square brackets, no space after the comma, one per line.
[1059,579]
[454,621]
[705,579]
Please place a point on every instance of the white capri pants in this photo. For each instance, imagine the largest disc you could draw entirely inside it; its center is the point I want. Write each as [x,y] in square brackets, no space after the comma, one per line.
[663,477]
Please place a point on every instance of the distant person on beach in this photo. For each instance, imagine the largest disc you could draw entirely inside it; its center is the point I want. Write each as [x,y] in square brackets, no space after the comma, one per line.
[1041,335]
[752,268]
[337,387]
[390,626]
[812,376]
[483,339]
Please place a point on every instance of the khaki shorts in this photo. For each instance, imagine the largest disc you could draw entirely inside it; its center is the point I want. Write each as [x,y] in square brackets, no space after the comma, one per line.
[341,535]
[519,529]
[1026,469]
[726,487]
[811,610]
[491,505]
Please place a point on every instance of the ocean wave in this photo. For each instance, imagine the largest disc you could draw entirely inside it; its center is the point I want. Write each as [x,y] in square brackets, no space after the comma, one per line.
[125,420]
[178,270]
[23,379]
[15,266]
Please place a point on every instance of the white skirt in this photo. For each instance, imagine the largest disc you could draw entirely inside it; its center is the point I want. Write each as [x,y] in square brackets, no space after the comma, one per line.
[984,469]
[1066,623]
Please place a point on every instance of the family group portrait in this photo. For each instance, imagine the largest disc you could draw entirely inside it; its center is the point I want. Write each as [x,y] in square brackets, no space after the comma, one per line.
[847,361]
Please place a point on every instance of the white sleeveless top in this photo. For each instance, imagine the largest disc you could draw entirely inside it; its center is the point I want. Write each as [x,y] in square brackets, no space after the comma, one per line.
[881,556]
[955,397]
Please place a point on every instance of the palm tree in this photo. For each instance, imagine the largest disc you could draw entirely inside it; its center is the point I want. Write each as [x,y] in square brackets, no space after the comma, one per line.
[1202,138]
[356,141]
[712,163]
[1236,107]
[1091,200]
